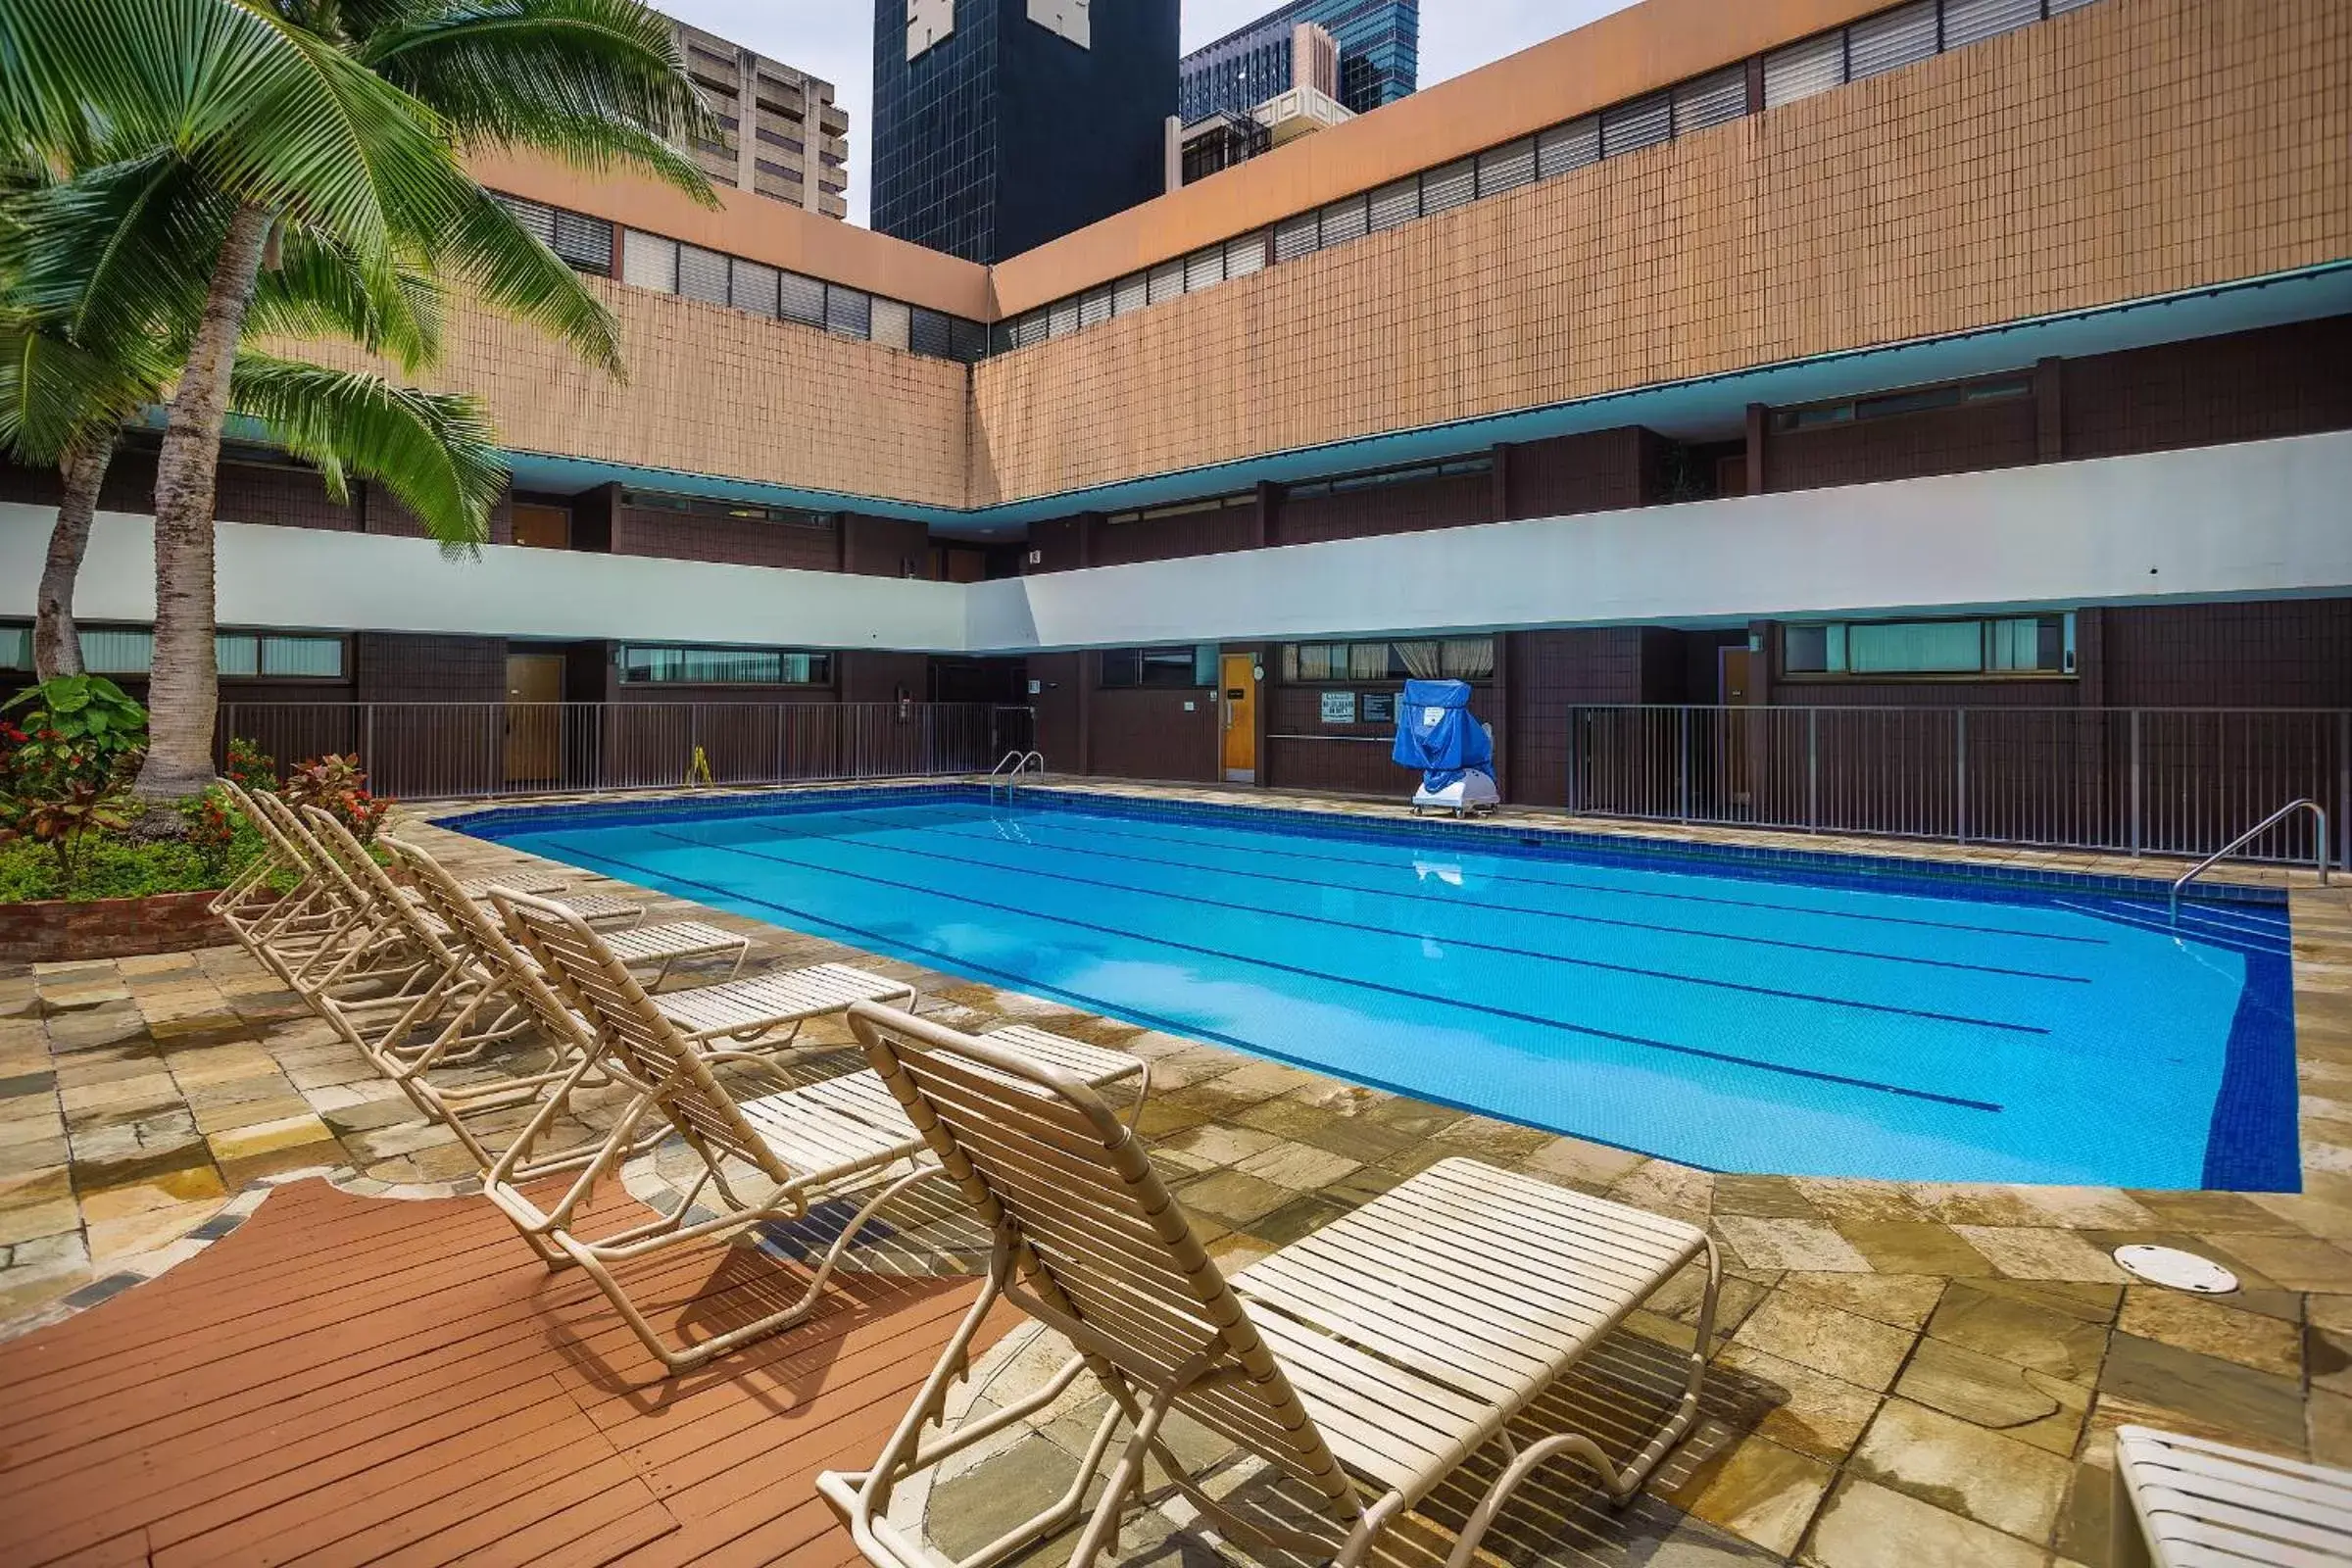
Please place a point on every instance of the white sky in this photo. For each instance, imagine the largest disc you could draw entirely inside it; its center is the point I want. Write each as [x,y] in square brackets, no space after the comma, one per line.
[834,39]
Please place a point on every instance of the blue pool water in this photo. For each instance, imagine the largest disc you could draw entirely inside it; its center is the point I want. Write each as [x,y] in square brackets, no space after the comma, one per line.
[1724,1008]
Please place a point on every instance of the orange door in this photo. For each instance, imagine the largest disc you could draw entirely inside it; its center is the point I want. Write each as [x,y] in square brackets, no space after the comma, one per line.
[1237,699]
[542,527]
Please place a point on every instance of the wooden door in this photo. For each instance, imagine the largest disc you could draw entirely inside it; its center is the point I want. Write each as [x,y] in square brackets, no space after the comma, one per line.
[534,717]
[1237,699]
[542,527]
[1733,736]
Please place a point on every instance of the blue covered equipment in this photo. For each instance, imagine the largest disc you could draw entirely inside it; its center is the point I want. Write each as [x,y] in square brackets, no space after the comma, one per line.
[1455,755]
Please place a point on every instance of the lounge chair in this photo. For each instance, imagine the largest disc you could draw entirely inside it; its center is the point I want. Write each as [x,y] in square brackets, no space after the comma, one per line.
[330,929]
[840,1139]
[2183,1502]
[1365,1363]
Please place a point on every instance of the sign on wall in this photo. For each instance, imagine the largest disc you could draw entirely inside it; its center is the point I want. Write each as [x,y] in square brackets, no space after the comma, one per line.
[1339,708]
[1380,707]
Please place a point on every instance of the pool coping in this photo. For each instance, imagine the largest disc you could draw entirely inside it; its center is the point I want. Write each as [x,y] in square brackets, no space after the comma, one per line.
[2251,1094]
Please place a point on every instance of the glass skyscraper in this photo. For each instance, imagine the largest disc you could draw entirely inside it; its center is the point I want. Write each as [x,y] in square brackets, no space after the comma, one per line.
[1000,124]
[1380,57]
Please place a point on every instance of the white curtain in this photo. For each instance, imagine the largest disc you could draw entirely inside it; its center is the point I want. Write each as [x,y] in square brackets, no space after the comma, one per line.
[1469,657]
[1423,661]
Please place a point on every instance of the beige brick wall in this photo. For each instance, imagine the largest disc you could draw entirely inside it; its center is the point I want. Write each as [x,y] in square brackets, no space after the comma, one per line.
[717,391]
[2132,148]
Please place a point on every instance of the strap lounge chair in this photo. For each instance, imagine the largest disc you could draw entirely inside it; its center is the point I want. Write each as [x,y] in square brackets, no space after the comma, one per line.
[2184,1502]
[843,1138]
[1365,1363]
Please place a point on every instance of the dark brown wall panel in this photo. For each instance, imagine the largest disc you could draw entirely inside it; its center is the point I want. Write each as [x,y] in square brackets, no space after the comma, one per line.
[730,541]
[1906,446]
[1146,733]
[2248,386]
[1196,533]
[885,547]
[879,677]
[1059,704]
[2293,652]
[1599,470]
[414,667]
[1444,503]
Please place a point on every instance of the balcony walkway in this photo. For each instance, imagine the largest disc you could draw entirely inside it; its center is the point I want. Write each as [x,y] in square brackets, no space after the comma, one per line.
[349,1379]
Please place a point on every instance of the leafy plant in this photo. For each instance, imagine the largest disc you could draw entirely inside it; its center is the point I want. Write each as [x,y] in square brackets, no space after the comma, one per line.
[212,833]
[81,726]
[250,768]
[67,824]
[338,786]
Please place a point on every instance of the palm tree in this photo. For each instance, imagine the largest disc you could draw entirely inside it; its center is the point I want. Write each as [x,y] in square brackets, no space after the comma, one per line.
[298,126]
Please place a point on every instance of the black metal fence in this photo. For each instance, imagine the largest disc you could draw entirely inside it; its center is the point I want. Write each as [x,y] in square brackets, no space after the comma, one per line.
[428,750]
[2133,780]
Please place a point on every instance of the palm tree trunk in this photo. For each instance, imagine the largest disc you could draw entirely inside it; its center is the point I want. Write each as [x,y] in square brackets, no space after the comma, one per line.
[56,644]
[183,687]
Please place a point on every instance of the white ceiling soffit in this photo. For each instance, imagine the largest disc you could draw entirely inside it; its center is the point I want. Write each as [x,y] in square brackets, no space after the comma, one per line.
[1067,18]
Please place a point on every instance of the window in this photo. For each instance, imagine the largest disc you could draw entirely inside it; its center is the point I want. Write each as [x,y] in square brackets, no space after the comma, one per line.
[849,312]
[1165,282]
[2003,646]
[799,299]
[1967,22]
[1061,317]
[1917,400]
[1566,147]
[239,655]
[648,261]
[1643,123]
[1346,221]
[1890,39]
[723,667]
[1710,101]
[753,287]
[1425,659]
[1396,204]
[927,333]
[1124,667]
[1204,269]
[16,646]
[1183,509]
[1295,237]
[1246,256]
[1506,168]
[586,243]
[1455,185]
[893,323]
[1130,293]
[1804,69]
[1093,307]
[1349,484]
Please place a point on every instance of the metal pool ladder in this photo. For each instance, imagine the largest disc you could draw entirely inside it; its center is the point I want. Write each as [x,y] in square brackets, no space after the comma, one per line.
[1009,769]
[2319,814]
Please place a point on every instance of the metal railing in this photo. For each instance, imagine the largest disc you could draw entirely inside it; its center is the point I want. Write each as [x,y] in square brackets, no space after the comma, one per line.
[1012,767]
[2175,781]
[428,750]
[2319,817]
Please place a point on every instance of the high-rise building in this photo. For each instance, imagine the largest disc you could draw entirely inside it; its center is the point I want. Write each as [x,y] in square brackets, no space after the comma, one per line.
[1000,124]
[779,131]
[1380,57]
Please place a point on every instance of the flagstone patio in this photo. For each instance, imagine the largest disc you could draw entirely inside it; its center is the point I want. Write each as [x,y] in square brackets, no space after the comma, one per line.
[1905,1373]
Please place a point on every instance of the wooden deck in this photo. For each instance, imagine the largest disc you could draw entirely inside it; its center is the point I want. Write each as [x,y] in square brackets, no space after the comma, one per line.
[349,1379]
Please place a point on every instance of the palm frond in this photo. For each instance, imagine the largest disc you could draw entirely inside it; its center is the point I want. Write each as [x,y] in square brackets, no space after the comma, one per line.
[52,392]
[435,452]
[115,256]
[509,270]
[318,290]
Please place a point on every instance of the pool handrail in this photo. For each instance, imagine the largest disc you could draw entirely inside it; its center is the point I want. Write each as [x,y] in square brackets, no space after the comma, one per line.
[2320,856]
[1012,765]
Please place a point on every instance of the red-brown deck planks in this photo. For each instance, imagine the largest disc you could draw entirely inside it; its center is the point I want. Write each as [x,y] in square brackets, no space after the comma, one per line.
[359,1381]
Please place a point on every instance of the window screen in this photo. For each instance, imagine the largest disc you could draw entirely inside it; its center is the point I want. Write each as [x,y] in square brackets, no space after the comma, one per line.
[1396,204]
[648,261]
[234,654]
[584,242]
[1295,237]
[1246,254]
[751,287]
[1915,647]
[1129,293]
[799,299]
[927,333]
[115,651]
[967,340]
[1344,221]
[1453,185]
[1566,147]
[1804,69]
[1204,269]
[1710,100]
[1506,168]
[1061,317]
[891,323]
[702,274]
[1965,22]
[1166,282]
[1890,40]
[849,312]
[1643,123]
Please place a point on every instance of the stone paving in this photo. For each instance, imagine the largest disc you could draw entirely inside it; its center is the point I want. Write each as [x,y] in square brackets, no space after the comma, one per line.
[1905,1373]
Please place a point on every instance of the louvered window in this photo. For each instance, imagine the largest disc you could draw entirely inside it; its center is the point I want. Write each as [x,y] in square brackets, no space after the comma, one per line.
[1344,222]
[1890,40]
[584,242]
[1804,69]
[1029,330]
[1129,293]
[1246,254]
[849,312]
[927,333]
[801,299]
[1643,123]
[1455,185]
[753,287]
[967,340]
[1566,147]
[1396,204]
[648,261]
[1165,282]
[1966,22]
[1710,100]
[1061,319]
[1093,307]
[536,219]
[1506,168]
[702,274]
[1204,269]
[1295,237]
[893,323]
[2060,7]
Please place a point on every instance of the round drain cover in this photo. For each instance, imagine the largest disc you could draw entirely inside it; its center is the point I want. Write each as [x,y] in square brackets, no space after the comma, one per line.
[2182,1271]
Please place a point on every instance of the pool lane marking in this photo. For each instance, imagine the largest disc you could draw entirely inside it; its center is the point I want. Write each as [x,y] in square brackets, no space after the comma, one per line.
[956,831]
[1537,1020]
[1327,921]
[1600,887]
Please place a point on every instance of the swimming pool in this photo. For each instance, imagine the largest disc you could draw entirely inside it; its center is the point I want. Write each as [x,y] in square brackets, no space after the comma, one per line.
[1728,1009]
